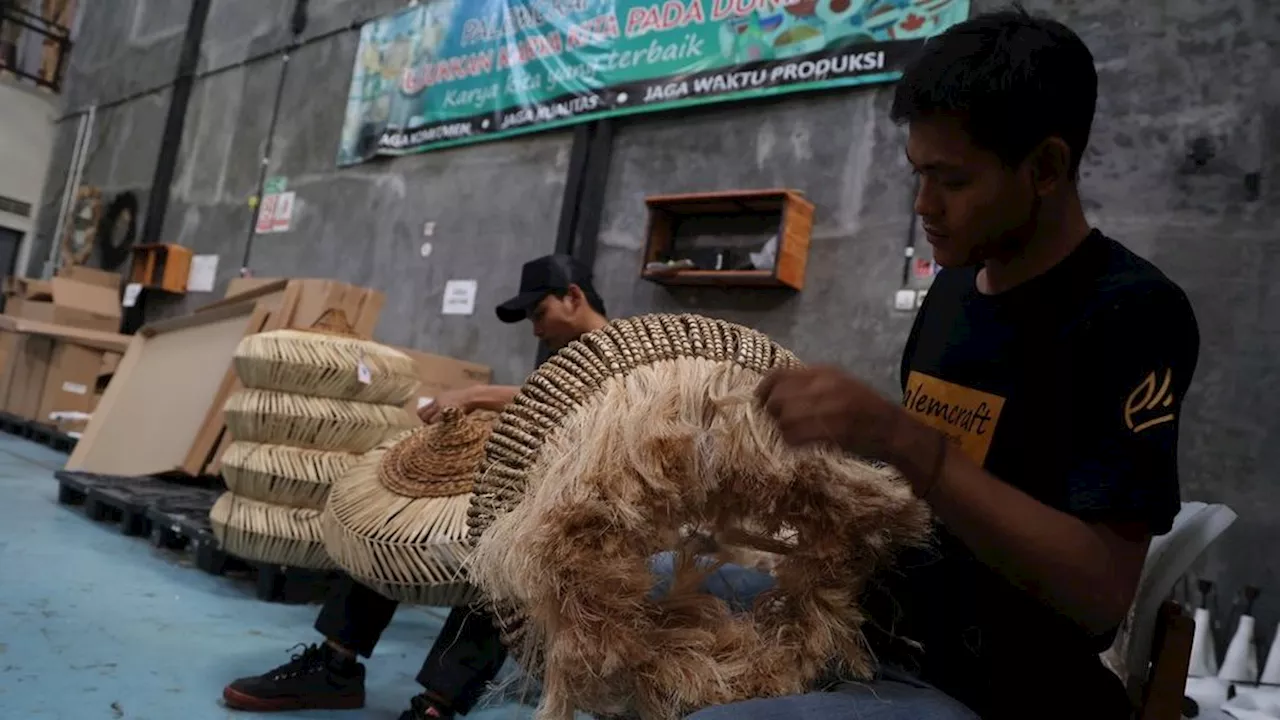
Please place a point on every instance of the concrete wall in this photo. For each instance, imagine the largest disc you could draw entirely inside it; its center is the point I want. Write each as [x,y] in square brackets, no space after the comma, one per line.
[26,138]
[1171,73]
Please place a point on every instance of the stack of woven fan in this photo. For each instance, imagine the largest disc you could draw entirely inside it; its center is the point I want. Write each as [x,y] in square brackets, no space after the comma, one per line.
[314,402]
[397,521]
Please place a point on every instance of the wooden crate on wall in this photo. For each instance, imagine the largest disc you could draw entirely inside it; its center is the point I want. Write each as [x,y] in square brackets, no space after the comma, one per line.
[786,210]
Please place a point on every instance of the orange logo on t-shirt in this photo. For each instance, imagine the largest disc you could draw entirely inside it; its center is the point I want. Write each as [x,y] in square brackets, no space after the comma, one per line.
[1146,400]
[966,416]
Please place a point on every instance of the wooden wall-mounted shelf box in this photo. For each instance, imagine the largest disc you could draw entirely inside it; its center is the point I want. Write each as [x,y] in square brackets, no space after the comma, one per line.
[785,211]
[161,267]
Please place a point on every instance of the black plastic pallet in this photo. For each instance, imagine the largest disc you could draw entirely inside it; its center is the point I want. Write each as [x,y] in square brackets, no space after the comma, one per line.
[174,513]
[38,432]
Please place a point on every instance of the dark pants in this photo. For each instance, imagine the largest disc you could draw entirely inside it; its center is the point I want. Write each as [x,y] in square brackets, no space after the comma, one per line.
[463,661]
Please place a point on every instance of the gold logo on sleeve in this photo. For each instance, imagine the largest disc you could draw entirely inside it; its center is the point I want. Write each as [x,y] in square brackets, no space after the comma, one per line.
[1152,399]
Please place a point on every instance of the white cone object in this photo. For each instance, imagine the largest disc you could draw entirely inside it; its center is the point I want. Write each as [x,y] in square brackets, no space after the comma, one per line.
[1241,662]
[1271,673]
[1204,656]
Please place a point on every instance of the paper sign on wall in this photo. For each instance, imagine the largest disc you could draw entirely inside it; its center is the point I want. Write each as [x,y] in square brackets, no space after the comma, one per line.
[459,297]
[283,218]
[266,214]
[203,273]
[131,293]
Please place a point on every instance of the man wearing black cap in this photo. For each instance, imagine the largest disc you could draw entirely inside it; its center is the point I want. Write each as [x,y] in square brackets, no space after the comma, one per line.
[557,296]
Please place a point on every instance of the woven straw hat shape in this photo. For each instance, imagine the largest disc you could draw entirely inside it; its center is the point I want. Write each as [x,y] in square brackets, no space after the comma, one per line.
[277,418]
[297,477]
[649,424]
[397,521]
[269,533]
[325,365]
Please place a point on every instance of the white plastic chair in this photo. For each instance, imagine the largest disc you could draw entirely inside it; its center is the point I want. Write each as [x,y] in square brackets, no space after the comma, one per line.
[1170,556]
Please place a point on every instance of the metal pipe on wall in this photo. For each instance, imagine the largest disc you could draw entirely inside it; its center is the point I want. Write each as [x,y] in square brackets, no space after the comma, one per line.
[298,23]
[75,172]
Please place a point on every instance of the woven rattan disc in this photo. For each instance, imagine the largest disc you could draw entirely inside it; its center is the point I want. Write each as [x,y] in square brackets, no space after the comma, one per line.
[439,460]
[296,477]
[616,447]
[326,365]
[269,533]
[409,547]
[276,418]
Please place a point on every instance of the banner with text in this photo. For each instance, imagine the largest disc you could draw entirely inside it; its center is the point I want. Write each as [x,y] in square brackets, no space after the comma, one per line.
[447,72]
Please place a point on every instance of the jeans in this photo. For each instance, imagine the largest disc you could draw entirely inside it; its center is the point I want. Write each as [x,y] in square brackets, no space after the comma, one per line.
[891,695]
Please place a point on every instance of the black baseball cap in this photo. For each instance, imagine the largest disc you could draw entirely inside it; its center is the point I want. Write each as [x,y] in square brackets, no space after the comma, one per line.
[542,277]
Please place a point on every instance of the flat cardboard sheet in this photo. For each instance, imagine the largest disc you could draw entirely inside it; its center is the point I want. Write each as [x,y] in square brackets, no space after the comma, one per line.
[161,393]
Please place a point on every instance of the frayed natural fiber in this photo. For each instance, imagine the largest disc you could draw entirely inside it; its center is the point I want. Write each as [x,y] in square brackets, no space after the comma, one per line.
[297,477]
[325,365]
[276,418]
[269,533]
[409,546]
[615,449]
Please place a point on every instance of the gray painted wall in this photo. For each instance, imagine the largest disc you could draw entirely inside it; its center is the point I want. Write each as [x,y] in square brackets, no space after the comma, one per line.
[1170,72]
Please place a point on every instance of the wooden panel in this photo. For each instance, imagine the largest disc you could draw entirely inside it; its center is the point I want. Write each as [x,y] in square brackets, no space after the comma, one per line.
[793,248]
[206,439]
[156,403]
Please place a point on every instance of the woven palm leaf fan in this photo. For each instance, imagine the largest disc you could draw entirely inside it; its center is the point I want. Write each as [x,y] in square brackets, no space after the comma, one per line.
[325,364]
[297,477]
[398,521]
[613,450]
[269,533]
[278,418]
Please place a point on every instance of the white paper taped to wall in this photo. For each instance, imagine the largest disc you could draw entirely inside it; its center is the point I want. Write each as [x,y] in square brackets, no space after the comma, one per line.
[459,297]
[203,274]
[131,293]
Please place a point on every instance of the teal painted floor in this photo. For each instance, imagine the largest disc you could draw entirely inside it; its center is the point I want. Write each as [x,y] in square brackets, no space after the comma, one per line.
[97,625]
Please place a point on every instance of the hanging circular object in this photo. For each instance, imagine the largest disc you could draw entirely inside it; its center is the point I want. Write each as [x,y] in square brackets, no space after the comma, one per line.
[397,521]
[117,231]
[613,451]
[297,477]
[276,418]
[81,229]
[269,533]
[326,365]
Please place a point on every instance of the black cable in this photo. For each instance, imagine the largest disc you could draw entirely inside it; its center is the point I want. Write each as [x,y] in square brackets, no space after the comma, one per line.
[298,23]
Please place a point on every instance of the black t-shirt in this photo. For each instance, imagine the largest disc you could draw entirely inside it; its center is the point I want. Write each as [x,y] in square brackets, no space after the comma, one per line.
[1068,387]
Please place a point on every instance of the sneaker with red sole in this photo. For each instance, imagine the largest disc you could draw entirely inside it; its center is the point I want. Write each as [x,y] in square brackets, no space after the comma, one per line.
[317,678]
[423,707]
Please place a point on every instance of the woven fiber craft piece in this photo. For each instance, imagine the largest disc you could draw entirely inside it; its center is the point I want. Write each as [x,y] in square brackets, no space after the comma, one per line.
[613,450]
[325,365]
[277,418]
[269,533]
[397,521]
[297,477]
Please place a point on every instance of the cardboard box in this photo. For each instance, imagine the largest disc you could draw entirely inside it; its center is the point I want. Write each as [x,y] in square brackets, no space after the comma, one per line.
[41,310]
[22,287]
[9,342]
[70,382]
[75,304]
[92,276]
[439,373]
[30,369]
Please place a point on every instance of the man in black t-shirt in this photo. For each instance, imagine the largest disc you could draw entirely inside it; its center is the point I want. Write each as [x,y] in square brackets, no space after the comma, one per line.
[1042,390]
